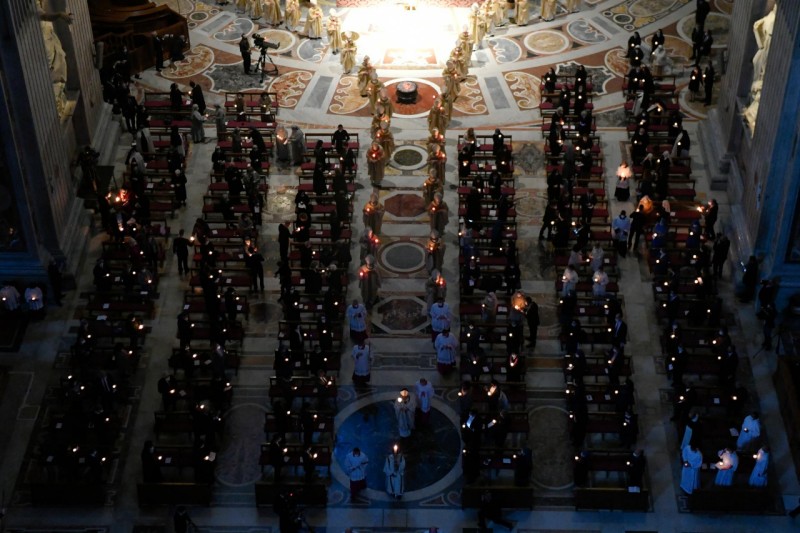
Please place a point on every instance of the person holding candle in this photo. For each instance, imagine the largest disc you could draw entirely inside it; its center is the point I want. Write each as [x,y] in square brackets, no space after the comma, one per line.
[395,470]
[373,214]
[405,408]
[376,163]
[726,467]
[369,281]
[758,477]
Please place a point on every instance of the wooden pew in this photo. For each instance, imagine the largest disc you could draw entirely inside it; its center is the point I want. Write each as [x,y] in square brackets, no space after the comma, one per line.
[174,493]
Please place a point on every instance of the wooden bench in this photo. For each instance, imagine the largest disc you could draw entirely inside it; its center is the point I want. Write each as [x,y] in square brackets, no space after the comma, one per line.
[611,498]
[511,497]
[56,494]
[174,493]
[737,500]
[314,494]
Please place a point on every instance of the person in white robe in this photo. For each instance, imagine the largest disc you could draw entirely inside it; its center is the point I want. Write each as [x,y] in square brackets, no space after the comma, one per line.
[362,363]
[726,467]
[750,432]
[688,431]
[690,474]
[9,295]
[758,477]
[355,464]
[446,350]
[356,317]
[424,392]
[34,298]
[395,470]
[440,317]
[405,408]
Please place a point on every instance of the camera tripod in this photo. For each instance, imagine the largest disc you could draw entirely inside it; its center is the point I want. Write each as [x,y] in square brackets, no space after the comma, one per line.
[262,65]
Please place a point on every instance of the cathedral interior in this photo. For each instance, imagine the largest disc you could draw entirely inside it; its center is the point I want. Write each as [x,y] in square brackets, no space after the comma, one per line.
[141,389]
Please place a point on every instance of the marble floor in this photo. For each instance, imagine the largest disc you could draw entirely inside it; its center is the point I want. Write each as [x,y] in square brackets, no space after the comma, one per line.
[317,96]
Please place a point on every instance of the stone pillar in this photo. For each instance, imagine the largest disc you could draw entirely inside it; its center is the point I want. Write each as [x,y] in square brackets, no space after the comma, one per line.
[38,145]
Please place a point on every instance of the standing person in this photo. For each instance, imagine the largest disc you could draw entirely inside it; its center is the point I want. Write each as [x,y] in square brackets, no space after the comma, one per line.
[749,432]
[620,333]
[749,280]
[636,229]
[439,314]
[373,214]
[196,94]
[180,248]
[708,83]
[710,213]
[151,469]
[54,276]
[292,14]
[376,163]
[298,143]
[405,408]
[726,467]
[349,55]
[284,236]
[255,264]
[339,138]
[721,247]
[198,132]
[768,314]
[244,49]
[620,229]
[334,30]
[701,13]
[424,392]
[446,347]
[158,51]
[355,464]
[690,475]
[532,317]
[758,477]
[356,317]
[369,280]
[182,521]
[313,25]
[395,470]
[219,121]
[521,13]
[362,363]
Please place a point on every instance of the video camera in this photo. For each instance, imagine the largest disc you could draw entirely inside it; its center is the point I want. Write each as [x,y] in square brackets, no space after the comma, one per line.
[264,44]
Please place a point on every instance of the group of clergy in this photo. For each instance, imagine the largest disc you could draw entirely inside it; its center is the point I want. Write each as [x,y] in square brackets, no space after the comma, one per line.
[727,461]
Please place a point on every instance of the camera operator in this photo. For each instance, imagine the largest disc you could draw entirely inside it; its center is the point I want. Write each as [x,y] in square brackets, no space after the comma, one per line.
[244,48]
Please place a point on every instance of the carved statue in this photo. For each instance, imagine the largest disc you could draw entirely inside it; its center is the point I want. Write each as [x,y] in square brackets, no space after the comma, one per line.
[56,56]
[762,29]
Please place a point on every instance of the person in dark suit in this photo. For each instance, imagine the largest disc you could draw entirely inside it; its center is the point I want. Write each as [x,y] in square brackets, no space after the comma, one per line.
[532,317]
[284,236]
[196,94]
[244,48]
[708,83]
[619,333]
[180,247]
[158,52]
[151,469]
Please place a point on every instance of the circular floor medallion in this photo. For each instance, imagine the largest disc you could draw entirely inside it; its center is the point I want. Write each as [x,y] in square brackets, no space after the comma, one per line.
[409,157]
[546,42]
[432,453]
[403,257]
